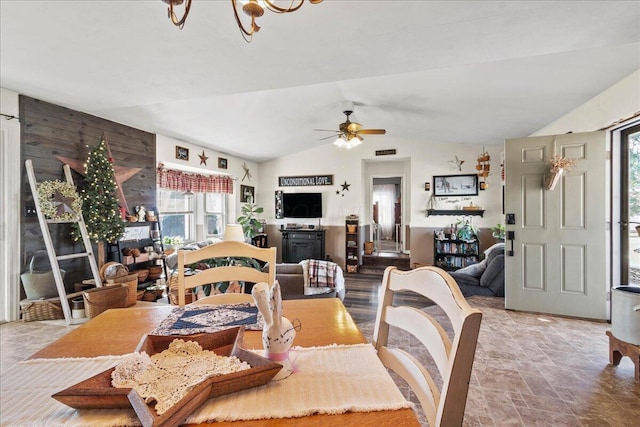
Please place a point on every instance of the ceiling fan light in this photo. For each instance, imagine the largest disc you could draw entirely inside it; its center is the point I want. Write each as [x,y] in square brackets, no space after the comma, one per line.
[340,142]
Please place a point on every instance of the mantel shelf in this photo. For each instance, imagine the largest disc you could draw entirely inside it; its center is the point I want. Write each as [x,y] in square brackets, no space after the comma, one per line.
[454,212]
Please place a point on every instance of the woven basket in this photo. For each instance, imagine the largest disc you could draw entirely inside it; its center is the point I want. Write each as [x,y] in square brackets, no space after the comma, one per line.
[131,282]
[32,310]
[155,272]
[173,292]
[104,298]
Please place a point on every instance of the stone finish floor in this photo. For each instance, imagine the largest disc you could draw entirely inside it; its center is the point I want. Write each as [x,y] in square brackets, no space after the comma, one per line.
[529,369]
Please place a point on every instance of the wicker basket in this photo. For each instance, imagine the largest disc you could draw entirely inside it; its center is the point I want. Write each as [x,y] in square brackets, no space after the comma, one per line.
[104,298]
[155,272]
[43,309]
[131,282]
[172,292]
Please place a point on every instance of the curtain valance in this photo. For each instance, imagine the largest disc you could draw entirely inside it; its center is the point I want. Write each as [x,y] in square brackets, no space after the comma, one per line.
[171,179]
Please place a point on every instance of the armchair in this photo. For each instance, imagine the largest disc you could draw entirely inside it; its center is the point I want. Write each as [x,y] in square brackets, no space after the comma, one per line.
[485,278]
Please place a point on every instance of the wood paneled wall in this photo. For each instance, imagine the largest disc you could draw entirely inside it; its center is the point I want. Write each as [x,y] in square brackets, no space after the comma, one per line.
[49,130]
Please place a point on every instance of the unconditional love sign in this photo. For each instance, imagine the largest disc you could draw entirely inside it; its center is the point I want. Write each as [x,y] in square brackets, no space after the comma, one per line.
[305,180]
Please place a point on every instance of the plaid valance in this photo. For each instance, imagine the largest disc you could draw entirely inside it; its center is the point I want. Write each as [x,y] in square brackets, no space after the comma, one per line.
[176,180]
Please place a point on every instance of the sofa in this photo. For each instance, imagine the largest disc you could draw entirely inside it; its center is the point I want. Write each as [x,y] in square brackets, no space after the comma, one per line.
[485,278]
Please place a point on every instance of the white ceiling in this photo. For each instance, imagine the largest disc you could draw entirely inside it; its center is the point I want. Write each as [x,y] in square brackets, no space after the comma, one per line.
[427,71]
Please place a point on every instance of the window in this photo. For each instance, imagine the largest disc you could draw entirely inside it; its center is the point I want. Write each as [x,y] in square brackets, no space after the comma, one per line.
[177,214]
[215,208]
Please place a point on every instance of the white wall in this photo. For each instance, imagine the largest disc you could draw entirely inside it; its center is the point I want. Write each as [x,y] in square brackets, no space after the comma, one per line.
[166,153]
[618,102]
[419,160]
[9,207]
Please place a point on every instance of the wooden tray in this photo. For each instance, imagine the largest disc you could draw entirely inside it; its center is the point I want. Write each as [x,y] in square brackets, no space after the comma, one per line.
[97,393]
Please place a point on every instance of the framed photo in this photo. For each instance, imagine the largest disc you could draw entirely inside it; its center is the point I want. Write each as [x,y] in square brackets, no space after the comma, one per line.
[246,193]
[455,185]
[222,163]
[182,153]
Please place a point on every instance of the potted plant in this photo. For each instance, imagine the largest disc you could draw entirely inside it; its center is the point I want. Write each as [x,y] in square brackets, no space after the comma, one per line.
[171,242]
[498,231]
[248,219]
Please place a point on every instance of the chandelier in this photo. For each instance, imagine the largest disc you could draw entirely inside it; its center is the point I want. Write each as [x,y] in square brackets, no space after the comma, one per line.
[252,8]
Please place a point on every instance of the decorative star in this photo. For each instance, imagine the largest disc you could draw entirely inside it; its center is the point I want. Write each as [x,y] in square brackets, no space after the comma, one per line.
[203,158]
[345,186]
[62,203]
[456,164]
[247,174]
[122,174]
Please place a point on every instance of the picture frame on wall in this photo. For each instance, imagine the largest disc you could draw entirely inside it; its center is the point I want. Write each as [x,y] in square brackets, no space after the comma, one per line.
[247,193]
[455,185]
[222,163]
[182,153]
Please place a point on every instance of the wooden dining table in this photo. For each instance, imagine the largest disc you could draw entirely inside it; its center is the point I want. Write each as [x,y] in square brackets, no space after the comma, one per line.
[324,321]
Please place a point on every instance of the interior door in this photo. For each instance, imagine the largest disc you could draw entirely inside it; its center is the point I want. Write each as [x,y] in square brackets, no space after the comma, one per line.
[557,259]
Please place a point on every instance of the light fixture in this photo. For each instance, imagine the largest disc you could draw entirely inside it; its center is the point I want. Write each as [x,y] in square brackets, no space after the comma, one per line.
[251,8]
[348,141]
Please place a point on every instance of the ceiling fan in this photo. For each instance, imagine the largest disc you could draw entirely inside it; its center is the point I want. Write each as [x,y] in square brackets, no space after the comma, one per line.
[349,132]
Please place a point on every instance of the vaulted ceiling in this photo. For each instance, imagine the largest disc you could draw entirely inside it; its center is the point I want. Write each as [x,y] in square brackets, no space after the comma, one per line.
[427,71]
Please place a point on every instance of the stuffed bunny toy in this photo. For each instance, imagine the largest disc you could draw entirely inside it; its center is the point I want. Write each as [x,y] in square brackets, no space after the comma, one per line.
[278,332]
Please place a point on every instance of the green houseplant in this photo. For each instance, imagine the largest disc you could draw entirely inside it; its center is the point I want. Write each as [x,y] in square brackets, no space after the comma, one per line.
[498,231]
[248,219]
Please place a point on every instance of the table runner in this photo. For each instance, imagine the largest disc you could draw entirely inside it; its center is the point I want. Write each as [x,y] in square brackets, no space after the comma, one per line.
[207,318]
[330,380]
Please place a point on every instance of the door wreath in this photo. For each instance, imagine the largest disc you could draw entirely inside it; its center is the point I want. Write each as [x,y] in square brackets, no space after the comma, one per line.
[559,165]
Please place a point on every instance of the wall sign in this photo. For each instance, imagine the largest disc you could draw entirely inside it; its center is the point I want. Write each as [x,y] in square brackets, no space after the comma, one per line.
[305,180]
[389,152]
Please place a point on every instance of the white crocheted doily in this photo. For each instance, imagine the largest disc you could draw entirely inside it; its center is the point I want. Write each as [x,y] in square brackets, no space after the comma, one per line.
[167,377]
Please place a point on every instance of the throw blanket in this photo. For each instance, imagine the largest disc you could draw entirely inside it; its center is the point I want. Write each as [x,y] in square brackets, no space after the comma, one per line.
[322,273]
[328,380]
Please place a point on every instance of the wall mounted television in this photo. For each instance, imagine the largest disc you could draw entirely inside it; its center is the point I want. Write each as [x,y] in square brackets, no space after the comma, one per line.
[302,205]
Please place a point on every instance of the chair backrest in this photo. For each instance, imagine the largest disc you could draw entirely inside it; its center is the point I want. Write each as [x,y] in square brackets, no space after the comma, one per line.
[453,355]
[218,299]
[225,273]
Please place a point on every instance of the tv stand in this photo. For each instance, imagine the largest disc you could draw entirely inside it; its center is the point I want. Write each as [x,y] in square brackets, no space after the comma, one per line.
[302,243]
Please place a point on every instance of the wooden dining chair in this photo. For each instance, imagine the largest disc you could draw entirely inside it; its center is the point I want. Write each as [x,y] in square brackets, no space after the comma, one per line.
[218,299]
[453,352]
[225,273]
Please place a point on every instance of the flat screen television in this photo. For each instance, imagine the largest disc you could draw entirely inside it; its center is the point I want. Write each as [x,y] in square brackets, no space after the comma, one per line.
[302,205]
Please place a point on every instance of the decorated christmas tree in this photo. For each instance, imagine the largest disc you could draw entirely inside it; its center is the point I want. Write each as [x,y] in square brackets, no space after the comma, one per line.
[100,200]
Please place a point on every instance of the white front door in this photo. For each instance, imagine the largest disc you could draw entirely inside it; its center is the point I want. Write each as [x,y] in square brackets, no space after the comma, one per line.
[557,260]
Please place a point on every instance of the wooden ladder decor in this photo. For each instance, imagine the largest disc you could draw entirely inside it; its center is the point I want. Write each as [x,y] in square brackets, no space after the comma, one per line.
[51,251]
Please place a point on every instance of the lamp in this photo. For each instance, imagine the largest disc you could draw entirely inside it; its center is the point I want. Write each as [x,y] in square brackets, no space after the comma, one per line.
[252,8]
[233,233]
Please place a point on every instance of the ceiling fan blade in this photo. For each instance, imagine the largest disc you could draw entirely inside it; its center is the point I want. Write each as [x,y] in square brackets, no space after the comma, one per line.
[331,136]
[372,131]
[326,130]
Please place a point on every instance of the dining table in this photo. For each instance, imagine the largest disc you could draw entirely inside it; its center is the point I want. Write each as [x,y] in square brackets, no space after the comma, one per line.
[324,322]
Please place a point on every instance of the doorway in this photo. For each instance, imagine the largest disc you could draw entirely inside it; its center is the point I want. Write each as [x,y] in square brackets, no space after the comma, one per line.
[387,227]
